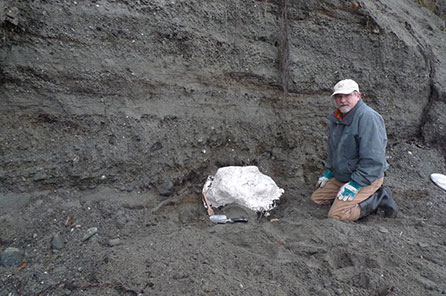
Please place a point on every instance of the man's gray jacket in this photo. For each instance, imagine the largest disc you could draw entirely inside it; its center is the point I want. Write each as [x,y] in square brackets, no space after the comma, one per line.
[357,145]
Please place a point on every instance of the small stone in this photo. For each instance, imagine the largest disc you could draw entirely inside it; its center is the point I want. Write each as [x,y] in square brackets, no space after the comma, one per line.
[427,283]
[114,242]
[317,288]
[156,146]
[40,176]
[11,257]
[383,230]
[90,232]
[180,275]
[423,245]
[57,242]
[12,15]
[324,292]
[165,188]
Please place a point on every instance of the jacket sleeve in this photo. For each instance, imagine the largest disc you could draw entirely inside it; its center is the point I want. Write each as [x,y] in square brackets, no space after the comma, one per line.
[372,149]
[328,162]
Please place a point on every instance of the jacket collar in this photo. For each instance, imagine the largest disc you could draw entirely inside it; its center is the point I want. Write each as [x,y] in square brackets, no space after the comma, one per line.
[348,118]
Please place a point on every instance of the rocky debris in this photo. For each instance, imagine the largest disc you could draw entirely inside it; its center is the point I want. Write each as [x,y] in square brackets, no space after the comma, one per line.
[383,230]
[89,233]
[11,257]
[10,15]
[165,188]
[114,242]
[57,242]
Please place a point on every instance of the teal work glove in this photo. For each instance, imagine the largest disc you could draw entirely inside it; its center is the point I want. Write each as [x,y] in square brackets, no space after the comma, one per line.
[324,179]
[348,191]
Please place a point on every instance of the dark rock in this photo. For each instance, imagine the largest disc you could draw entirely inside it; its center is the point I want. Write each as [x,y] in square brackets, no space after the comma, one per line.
[12,16]
[11,257]
[90,232]
[40,176]
[57,242]
[166,188]
[156,146]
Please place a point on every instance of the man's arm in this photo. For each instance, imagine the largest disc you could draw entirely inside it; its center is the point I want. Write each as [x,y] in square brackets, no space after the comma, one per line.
[372,149]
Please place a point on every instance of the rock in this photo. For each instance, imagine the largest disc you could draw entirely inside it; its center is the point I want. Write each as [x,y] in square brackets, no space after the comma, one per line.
[156,146]
[180,275]
[11,257]
[57,242]
[317,288]
[427,283]
[423,245]
[165,188]
[90,232]
[325,292]
[383,230]
[40,176]
[11,15]
[114,242]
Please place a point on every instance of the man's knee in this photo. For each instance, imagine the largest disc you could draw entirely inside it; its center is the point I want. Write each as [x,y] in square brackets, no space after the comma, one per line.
[351,214]
[319,199]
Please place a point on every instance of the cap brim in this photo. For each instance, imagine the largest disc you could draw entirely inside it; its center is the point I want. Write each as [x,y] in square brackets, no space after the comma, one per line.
[343,91]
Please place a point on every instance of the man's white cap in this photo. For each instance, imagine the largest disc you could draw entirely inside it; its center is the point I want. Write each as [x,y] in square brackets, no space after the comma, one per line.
[346,86]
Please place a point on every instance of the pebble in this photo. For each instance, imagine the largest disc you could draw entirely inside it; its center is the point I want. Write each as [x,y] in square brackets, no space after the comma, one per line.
[423,245]
[156,146]
[180,275]
[114,242]
[11,257]
[57,242]
[165,188]
[325,292]
[383,230]
[40,176]
[90,232]
[12,15]
[427,283]
[317,288]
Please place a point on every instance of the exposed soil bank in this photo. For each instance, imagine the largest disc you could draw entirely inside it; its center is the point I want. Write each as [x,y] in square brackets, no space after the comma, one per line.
[115,112]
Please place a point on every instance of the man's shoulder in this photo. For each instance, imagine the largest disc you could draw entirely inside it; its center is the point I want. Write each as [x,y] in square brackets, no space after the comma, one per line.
[366,110]
[368,117]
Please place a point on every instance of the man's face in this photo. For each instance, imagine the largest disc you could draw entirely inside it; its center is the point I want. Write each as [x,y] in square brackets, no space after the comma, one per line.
[346,102]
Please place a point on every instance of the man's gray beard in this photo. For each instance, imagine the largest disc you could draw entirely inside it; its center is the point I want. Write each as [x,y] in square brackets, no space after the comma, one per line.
[345,109]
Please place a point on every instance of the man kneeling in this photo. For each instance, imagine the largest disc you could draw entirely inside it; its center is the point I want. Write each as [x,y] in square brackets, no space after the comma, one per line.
[356,159]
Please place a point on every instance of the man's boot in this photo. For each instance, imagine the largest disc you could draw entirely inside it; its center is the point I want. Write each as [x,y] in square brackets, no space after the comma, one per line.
[383,199]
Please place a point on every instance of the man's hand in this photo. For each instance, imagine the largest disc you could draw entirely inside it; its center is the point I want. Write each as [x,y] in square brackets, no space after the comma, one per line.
[324,179]
[348,191]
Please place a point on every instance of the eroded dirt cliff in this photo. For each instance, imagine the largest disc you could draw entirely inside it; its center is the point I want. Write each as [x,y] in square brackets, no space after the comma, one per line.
[111,107]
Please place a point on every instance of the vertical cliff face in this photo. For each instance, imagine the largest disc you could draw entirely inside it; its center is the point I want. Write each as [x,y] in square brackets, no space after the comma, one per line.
[114,112]
[138,94]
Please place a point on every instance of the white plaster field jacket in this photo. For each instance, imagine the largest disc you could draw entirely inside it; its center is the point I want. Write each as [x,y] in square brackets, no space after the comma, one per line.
[357,145]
